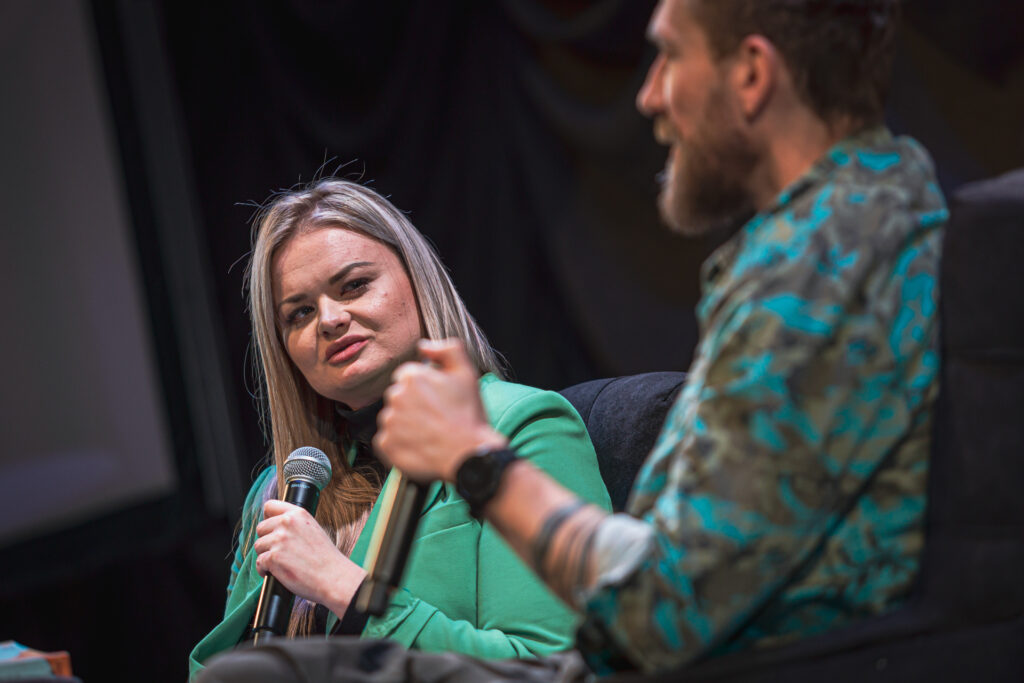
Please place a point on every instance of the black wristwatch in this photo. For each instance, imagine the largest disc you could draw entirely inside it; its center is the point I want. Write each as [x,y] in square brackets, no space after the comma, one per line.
[479,476]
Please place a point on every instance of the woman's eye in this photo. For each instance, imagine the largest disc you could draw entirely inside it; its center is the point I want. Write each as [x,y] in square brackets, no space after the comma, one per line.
[355,286]
[299,314]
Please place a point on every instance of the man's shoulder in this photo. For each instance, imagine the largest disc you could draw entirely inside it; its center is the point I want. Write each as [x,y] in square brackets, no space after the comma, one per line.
[876,196]
[867,217]
[877,180]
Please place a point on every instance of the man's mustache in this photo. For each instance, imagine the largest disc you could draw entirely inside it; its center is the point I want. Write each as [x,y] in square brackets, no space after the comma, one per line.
[664,133]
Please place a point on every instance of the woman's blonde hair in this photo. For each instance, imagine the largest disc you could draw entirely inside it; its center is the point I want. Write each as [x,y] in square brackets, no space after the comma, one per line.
[298,416]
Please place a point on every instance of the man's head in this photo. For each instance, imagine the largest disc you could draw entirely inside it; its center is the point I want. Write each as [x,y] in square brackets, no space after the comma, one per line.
[732,77]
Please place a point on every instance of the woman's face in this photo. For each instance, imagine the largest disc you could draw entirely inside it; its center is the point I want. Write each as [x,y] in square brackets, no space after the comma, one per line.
[346,311]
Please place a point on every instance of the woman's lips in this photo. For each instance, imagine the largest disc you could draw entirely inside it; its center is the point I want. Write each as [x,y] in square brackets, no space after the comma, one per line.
[347,352]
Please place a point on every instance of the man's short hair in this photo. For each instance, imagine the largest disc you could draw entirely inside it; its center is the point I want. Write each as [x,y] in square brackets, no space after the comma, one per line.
[838,51]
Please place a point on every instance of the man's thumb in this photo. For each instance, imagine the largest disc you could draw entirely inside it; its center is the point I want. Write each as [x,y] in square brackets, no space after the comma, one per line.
[447,354]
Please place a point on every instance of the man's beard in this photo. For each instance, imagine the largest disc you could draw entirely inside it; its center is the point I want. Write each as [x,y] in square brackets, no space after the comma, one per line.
[706,184]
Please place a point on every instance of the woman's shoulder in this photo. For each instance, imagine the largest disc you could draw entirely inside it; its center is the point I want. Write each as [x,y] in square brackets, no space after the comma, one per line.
[257,492]
[509,403]
[267,476]
[498,395]
[543,427]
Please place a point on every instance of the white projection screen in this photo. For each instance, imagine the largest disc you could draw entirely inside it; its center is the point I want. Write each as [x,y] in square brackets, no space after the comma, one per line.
[82,423]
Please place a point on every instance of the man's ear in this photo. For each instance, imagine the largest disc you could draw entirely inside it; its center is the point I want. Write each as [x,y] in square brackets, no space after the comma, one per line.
[754,74]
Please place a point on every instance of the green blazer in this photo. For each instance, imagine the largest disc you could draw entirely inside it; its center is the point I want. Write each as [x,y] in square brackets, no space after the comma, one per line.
[464,589]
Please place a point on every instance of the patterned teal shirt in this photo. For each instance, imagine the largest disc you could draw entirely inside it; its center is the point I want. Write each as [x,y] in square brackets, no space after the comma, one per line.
[786,492]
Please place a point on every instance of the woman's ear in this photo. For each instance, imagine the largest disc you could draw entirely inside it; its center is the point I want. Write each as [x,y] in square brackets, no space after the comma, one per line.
[754,74]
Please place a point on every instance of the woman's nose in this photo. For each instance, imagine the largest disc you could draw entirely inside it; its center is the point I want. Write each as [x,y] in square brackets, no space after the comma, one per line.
[333,316]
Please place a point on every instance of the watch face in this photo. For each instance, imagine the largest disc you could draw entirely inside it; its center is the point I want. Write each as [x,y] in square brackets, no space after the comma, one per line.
[476,473]
[478,478]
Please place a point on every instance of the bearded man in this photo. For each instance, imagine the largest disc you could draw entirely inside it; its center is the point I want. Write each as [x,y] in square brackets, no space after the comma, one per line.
[786,493]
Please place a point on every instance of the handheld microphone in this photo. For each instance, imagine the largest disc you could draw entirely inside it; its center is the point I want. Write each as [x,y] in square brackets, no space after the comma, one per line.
[306,471]
[389,549]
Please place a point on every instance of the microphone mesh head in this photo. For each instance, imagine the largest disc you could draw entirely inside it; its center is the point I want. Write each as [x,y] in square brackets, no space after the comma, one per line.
[309,464]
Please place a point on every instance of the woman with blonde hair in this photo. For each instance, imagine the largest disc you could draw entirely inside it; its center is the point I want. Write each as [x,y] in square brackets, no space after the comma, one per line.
[341,289]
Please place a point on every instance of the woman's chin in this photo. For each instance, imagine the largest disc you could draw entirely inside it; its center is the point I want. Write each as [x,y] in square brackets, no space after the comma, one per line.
[358,392]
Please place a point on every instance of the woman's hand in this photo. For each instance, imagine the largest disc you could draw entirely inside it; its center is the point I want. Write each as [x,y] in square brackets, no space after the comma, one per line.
[432,417]
[293,547]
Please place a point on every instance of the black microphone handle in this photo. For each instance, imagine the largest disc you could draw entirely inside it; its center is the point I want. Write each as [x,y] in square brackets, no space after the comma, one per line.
[275,604]
[394,548]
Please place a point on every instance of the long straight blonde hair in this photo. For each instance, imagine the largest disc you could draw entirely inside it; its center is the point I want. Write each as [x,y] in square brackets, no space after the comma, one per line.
[298,416]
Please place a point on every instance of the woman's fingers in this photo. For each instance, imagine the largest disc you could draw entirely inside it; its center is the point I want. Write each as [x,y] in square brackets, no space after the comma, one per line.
[293,547]
[277,513]
[275,507]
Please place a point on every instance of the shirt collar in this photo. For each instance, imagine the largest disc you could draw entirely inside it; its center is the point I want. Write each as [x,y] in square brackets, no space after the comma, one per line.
[822,171]
[361,423]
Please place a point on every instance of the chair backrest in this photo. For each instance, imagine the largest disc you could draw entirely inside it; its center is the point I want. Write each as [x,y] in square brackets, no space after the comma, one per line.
[975,538]
[624,416]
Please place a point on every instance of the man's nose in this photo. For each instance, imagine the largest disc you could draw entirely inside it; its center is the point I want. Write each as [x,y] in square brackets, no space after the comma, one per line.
[649,101]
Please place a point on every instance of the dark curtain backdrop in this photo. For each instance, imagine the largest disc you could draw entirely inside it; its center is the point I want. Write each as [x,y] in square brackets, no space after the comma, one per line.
[506,130]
